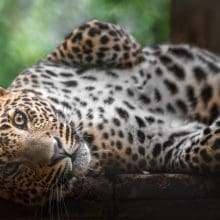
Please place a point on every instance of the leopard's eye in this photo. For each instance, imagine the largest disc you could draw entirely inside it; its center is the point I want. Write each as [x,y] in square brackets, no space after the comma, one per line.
[10,169]
[20,120]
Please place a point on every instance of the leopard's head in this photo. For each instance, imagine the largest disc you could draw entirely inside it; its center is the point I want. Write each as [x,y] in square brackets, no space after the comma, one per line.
[39,154]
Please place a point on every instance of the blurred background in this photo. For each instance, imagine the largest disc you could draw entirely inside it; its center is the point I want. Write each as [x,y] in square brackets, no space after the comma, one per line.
[31,29]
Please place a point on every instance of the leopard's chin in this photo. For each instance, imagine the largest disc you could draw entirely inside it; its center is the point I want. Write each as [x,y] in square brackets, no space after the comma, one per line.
[80,160]
[77,164]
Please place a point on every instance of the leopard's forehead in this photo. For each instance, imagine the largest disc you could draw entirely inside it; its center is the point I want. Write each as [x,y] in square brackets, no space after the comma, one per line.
[23,99]
[37,110]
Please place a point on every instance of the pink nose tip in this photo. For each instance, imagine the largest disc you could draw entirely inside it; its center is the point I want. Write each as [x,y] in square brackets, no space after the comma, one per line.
[59,152]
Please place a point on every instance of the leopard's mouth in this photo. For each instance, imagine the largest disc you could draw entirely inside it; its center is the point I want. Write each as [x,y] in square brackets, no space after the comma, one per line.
[77,162]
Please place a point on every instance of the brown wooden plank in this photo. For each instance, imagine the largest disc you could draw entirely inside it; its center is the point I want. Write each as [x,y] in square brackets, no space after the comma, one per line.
[169,209]
[131,196]
[166,186]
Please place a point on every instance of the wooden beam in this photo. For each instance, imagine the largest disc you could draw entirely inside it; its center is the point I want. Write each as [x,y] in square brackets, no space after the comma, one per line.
[150,196]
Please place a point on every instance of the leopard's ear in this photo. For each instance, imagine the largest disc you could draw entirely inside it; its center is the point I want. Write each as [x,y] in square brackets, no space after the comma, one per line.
[3,92]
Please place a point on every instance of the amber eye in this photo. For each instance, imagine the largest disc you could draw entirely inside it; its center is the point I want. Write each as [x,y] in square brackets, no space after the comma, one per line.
[10,169]
[20,120]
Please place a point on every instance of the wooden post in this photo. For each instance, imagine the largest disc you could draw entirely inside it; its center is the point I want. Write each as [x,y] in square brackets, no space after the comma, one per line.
[196,22]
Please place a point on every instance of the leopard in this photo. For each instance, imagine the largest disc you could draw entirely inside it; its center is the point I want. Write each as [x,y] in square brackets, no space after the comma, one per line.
[102,104]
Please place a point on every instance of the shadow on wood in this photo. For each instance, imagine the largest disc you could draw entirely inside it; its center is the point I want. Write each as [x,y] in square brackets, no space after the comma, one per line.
[150,196]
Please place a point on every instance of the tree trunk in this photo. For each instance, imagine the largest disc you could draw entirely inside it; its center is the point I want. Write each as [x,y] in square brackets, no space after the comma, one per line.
[196,22]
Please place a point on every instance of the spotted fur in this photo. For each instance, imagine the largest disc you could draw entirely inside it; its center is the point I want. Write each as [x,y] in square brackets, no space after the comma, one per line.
[96,43]
[69,116]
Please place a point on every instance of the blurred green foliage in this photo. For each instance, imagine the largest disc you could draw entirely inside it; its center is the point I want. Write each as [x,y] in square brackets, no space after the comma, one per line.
[31,29]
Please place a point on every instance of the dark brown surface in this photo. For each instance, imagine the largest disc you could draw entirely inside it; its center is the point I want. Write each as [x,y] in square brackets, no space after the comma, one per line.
[196,22]
[155,196]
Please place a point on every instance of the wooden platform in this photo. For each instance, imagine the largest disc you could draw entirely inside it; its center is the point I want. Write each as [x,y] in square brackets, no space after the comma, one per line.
[150,196]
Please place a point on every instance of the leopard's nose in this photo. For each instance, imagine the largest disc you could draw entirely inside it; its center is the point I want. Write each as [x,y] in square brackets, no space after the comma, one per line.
[58,144]
[59,152]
